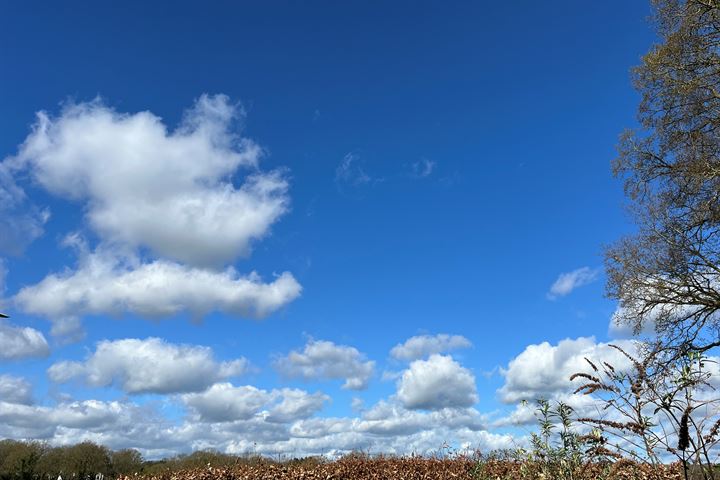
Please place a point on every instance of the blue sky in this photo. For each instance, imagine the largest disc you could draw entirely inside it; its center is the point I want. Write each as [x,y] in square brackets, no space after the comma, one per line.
[416,169]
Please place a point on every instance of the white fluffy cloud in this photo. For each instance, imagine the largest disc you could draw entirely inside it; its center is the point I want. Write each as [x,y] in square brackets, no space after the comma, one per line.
[223,402]
[103,284]
[149,366]
[192,197]
[526,413]
[15,390]
[326,360]
[85,415]
[436,383]
[114,424]
[292,404]
[387,427]
[422,346]
[567,282]
[389,418]
[173,192]
[21,342]
[248,419]
[544,370]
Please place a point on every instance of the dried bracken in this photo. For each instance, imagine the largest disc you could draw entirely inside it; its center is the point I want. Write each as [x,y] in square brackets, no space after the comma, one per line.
[360,467]
[584,375]
[590,388]
[712,434]
[594,367]
[633,427]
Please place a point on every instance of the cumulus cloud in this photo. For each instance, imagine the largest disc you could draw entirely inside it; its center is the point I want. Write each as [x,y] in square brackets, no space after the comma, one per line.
[390,418]
[425,345]
[103,284]
[544,370]
[223,402]
[293,404]
[567,282]
[389,427]
[114,424]
[173,192]
[436,383]
[170,208]
[526,413]
[386,421]
[248,419]
[21,342]
[15,390]
[85,415]
[148,366]
[326,360]
[386,427]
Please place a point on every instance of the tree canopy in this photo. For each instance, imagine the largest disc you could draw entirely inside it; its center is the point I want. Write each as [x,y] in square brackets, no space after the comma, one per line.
[667,275]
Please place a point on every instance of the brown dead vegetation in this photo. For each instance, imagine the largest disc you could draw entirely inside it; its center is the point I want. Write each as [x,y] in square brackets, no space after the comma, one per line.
[359,467]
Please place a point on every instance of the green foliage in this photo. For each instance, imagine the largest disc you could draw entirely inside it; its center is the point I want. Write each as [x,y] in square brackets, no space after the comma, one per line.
[34,461]
[558,451]
[19,460]
[663,406]
[83,461]
[126,462]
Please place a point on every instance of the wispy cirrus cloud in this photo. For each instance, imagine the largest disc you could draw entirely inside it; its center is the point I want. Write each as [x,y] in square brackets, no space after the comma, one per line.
[351,172]
[423,168]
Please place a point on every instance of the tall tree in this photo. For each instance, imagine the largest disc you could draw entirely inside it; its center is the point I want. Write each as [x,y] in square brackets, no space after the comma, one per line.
[667,275]
[126,462]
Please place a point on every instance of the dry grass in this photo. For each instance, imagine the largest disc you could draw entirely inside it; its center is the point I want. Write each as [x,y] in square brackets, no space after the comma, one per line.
[358,467]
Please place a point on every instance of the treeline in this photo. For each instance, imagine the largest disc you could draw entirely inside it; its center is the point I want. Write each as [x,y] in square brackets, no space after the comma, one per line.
[39,461]
[35,460]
